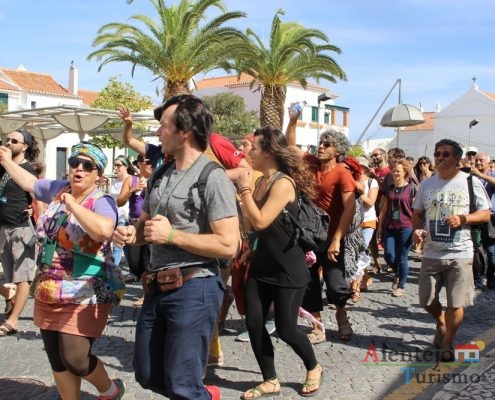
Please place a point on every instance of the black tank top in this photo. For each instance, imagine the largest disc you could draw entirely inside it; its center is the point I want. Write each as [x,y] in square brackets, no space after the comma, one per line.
[277,260]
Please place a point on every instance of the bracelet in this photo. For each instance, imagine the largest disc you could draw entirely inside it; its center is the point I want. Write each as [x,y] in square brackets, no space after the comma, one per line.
[242,188]
[245,192]
[171,235]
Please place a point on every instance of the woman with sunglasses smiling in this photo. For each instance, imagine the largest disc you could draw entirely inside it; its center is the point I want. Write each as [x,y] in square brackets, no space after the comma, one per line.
[423,168]
[77,280]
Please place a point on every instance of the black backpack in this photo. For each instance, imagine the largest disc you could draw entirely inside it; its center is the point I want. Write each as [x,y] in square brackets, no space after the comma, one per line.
[311,225]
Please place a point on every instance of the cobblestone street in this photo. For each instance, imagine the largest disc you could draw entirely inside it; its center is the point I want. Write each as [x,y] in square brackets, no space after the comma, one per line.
[399,330]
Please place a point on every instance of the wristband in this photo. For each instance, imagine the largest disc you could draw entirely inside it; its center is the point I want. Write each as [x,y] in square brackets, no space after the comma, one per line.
[245,192]
[171,235]
[242,188]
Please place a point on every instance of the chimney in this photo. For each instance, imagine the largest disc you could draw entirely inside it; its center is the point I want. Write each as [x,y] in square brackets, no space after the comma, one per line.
[73,79]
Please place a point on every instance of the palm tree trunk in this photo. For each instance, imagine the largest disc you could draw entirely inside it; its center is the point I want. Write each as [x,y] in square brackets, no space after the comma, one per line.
[175,88]
[272,106]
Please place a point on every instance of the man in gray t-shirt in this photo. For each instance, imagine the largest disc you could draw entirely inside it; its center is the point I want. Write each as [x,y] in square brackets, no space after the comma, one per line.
[442,218]
[189,232]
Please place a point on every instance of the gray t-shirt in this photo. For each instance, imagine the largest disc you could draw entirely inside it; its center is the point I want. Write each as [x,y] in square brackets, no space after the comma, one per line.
[440,198]
[183,209]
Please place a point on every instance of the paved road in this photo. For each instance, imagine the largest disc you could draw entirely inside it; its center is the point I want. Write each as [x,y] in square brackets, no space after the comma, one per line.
[399,330]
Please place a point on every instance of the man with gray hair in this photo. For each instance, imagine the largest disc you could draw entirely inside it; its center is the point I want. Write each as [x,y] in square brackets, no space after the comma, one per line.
[336,195]
[443,218]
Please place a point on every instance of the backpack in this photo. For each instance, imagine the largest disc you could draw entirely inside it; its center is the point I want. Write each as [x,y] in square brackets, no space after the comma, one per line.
[311,225]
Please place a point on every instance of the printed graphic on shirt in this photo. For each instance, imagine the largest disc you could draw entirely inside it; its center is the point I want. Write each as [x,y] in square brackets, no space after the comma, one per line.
[439,205]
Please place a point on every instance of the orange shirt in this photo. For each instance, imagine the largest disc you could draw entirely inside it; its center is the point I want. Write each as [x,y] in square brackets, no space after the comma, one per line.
[330,186]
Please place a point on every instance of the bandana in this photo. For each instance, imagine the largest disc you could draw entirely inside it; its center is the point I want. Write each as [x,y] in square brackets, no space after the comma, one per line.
[92,151]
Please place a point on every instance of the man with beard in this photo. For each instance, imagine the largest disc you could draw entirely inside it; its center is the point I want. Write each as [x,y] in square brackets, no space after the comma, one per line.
[19,250]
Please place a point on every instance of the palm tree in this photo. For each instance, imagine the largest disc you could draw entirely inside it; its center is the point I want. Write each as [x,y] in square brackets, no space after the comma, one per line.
[292,55]
[181,44]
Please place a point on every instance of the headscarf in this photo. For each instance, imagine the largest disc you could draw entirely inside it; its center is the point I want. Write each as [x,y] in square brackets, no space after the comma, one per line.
[123,159]
[92,151]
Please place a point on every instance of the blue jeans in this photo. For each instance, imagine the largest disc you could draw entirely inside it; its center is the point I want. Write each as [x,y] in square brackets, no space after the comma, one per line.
[172,336]
[397,245]
[489,246]
[367,235]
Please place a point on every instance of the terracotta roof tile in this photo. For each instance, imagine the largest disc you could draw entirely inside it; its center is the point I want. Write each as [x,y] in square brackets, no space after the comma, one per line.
[222,81]
[425,126]
[7,86]
[245,80]
[35,82]
[88,96]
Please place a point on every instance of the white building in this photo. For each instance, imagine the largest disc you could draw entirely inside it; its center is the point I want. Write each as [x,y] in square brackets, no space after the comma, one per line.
[329,114]
[453,123]
[23,90]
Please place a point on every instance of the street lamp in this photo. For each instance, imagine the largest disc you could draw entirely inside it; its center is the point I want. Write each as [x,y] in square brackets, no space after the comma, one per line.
[322,97]
[471,124]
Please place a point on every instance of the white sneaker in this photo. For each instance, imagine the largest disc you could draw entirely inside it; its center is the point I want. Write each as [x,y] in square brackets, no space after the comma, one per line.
[270,326]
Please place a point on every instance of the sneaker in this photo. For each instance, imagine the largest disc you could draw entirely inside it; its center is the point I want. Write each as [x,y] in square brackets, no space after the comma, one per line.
[214,392]
[316,336]
[270,326]
[215,361]
[399,292]
[243,337]
[120,391]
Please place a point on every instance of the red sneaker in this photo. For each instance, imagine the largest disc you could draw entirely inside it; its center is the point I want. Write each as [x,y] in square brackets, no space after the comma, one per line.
[214,392]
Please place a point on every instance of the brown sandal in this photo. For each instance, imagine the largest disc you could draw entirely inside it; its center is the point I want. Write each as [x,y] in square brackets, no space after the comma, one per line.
[345,329]
[6,329]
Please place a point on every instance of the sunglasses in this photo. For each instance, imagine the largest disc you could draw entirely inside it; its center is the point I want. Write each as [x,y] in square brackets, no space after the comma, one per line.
[87,165]
[325,144]
[147,162]
[375,155]
[444,154]
[118,165]
[424,162]
[13,140]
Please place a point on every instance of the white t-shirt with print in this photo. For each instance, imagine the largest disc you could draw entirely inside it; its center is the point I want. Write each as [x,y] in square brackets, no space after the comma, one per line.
[440,198]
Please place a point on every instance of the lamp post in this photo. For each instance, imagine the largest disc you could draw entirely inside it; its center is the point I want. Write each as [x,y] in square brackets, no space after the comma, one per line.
[471,124]
[322,97]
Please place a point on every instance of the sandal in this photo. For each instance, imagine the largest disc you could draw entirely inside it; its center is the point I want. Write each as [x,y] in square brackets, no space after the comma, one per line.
[312,383]
[9,304]
[7,329]
[258,392]
[345,329]
[356,290]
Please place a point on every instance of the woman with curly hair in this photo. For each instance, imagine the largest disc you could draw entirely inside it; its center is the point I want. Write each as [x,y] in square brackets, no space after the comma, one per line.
[423,168]
[279,272]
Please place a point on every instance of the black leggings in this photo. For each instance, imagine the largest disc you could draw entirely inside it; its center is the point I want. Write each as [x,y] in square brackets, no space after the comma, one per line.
[286,303]
[68,352]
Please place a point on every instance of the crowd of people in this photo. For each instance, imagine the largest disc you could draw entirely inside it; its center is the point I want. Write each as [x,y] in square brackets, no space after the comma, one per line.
[197,213]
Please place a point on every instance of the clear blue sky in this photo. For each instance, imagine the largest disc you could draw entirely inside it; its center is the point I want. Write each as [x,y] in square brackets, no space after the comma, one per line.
[435,46]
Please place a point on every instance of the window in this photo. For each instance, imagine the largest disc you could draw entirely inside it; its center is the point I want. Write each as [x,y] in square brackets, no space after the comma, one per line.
[61,163]
[4,102]
[33,104]
[326,117]
[314,114]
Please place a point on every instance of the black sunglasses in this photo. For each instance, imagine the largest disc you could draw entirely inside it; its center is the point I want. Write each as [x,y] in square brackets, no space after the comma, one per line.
[147,162]
[13,140]
[376,155]
[87,165]
[444,154]
[325,144]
